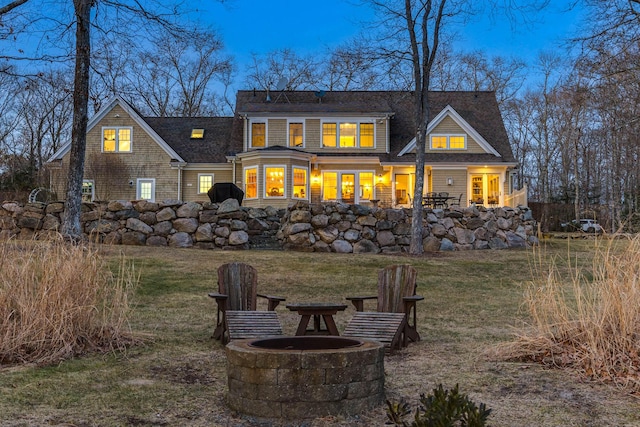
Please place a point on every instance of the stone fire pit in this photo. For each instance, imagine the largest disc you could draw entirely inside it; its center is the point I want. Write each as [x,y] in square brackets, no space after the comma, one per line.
[305,376]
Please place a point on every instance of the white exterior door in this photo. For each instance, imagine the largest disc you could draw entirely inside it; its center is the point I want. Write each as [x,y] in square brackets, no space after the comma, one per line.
[146,189]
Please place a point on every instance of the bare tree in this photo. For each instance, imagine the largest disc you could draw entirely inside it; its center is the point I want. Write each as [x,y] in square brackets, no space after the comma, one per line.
[175,77]
[269,69]
[413,33]
[116,16]
[350,67]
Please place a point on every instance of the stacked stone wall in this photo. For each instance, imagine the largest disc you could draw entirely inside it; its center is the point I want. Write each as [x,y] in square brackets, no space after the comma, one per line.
[343,228]
[326,227]
[169,223]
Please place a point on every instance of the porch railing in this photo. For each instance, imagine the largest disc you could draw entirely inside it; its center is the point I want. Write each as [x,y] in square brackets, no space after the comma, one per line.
[517,198]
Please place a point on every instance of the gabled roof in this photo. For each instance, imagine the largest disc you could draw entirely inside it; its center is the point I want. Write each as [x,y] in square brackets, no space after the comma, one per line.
[450,112]
[478,111]
[134,115]
[173,134]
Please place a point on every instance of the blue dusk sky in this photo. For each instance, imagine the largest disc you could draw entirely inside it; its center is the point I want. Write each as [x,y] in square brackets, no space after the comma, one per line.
[313,26]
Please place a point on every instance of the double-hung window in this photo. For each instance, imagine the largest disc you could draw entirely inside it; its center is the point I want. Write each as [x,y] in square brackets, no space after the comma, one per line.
[116,139]
[251,182]
[296,137]
[258,135]
[329,134]
[300,190]
[348,134]
[366,135]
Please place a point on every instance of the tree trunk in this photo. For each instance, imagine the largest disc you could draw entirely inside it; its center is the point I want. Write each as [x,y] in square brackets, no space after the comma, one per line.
[71,217]
[415,247]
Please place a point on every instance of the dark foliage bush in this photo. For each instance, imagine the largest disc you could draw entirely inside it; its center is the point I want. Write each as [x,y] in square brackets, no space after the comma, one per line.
[442,408]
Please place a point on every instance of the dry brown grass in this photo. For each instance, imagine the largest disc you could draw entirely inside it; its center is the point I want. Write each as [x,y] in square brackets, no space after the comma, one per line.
[59,300]
[586,317]
[179,378]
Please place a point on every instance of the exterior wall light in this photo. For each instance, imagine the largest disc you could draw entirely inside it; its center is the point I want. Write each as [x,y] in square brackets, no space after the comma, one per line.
[449,181]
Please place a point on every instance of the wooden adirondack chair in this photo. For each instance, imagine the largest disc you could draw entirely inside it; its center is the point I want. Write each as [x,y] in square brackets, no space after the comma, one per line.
[396,294]
[237,292]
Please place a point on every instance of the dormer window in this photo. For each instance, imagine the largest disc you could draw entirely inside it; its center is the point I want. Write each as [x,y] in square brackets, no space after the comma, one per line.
[348,134]
[197,133]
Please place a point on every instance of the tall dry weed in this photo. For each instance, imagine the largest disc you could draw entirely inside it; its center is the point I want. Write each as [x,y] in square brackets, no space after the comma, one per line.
[585,318]
[59,300]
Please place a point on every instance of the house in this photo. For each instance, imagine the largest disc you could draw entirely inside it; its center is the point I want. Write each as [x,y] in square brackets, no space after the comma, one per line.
[284,146]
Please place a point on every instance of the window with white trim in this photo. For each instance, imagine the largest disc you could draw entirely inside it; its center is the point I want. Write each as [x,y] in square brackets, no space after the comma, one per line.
[88,190]
[448,142]
[258,137]
[274,181]
[348,134]
[296,134]
[116,139]
[205,182]
[251,183]
[300,181]
[350,186]
[146,189]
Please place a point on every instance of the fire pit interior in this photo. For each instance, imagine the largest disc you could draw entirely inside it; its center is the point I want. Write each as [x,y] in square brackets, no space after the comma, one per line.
[304,377]
[305,343]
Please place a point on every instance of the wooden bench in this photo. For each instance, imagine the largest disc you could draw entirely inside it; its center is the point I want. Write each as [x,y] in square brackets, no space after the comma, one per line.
[252,324]
[386,328]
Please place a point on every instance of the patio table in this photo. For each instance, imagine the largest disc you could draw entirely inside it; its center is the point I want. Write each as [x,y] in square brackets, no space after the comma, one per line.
[321,311]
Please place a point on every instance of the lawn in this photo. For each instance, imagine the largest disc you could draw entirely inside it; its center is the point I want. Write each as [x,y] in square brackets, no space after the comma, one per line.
[177,377]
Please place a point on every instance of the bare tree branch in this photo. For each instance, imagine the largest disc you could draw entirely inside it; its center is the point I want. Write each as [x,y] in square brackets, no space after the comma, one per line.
[9,7]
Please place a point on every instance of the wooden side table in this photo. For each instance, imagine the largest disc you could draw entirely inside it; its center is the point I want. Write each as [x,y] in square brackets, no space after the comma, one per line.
[321,312]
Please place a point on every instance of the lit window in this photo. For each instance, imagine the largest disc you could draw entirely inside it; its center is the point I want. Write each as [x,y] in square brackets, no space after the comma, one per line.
[300,183]
[329,134]
[116,140]
[258,134]
[88,190]
[251,183]
[146,189]
[330,186]
[456,142]
[205,182]
[438,142]
[347,134]
[274,181]
[365,180]
[295,135]
[197,133]
[366,135]
[448,142]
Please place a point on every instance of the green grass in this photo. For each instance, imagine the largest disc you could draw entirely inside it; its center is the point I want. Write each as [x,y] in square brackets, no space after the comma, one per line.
[178,377]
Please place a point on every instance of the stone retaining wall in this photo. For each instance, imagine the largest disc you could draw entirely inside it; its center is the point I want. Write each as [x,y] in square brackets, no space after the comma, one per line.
[168,223]
[326,227]
[343,228]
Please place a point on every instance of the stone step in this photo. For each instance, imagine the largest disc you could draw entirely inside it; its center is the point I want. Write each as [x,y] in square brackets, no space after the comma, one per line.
[264,243]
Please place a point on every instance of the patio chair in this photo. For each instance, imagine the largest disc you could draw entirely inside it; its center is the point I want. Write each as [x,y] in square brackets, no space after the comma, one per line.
[396,294]
[457,202]
[237,292]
